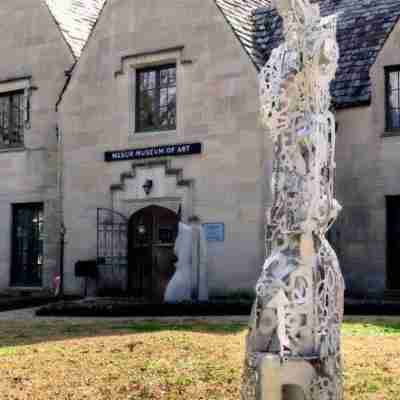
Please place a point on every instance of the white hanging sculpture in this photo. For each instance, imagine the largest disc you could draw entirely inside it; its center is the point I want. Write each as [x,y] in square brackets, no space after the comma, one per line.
[293,345]
[190,281]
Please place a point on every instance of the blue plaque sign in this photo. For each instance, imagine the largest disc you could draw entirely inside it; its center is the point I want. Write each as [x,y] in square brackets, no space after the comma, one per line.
[215,232]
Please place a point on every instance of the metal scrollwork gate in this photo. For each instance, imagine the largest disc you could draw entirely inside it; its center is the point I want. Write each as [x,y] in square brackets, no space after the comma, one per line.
[112,251]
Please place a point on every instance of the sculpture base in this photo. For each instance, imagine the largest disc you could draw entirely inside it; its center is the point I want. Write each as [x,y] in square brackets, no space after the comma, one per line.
[271,377]
[285,378]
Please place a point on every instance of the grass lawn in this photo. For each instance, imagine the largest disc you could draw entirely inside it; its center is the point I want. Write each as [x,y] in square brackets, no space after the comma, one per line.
[99,360]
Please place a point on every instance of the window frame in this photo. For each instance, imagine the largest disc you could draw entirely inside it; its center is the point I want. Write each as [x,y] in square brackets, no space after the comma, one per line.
[23,113]
[388,120]
[157,68]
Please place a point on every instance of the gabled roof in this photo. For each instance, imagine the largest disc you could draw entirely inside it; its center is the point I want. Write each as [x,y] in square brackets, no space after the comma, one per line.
[363,27]
[239,14]
[76,19]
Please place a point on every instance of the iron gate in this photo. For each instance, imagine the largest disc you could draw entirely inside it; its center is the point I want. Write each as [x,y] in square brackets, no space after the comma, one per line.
[112,250]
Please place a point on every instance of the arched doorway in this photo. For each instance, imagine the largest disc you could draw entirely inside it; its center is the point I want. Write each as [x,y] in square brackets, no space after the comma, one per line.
[151,238]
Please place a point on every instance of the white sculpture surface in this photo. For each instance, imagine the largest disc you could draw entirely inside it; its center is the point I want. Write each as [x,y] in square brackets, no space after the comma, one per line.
[180,286]
[190,281]
[299,306]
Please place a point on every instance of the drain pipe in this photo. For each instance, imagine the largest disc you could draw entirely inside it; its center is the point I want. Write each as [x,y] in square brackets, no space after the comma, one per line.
[62,229]
[62,248]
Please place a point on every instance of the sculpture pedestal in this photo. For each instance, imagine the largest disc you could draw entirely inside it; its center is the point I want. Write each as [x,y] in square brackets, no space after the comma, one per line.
[285,379]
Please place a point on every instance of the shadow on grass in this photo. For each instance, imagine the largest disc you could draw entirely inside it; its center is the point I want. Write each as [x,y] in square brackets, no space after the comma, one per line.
[26,333]
[373,328]
[221,329]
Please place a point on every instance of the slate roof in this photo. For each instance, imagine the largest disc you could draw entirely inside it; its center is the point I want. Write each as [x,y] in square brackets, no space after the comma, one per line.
[363,27]
[239,14]
[76,19]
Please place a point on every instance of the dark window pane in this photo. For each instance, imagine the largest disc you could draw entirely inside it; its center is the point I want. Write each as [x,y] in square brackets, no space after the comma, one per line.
[142,82]
[147,80]
[151,76]
[394,80]
[147,119]
[164,117]
[172,98]
[156,98]
[164,78]
[172,76]
[394,100]
[163,97]
[395,119]
[11,119]
[171,118]
[148,101]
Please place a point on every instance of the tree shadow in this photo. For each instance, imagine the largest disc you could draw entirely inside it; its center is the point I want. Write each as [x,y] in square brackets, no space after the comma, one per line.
[371,327]
[33,332]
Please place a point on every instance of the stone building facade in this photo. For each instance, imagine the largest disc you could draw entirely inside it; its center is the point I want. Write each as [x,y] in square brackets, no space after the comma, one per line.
[32,76]
[136,112]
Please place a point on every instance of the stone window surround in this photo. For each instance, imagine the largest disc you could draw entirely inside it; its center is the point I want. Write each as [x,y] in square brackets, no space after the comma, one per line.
[14,85]
[150,58]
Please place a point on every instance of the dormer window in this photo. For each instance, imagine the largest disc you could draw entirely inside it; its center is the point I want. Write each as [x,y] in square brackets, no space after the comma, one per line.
[12,118]
[156,98]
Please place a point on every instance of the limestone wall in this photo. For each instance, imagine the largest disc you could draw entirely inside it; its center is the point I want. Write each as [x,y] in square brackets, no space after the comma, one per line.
[368,170]
[32,47]
[217,105]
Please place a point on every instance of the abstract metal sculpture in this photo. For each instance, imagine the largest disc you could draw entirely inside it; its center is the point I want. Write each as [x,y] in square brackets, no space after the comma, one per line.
[293,345]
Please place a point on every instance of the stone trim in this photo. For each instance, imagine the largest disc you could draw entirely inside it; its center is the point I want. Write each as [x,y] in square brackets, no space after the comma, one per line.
[130,62]
[169,171]
[181,196]
[148,54]
[171,203]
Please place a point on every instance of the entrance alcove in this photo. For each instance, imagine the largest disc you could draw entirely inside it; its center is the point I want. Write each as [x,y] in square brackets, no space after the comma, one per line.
[137,235]
[151,237]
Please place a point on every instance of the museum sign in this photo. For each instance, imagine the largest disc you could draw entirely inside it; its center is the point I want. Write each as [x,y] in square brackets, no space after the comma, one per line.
[182,149]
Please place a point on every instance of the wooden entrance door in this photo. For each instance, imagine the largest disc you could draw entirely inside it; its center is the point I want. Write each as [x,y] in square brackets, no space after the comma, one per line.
[393,242]
[152,235]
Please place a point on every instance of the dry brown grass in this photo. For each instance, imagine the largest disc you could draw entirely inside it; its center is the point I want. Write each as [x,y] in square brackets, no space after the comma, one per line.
[108,360]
